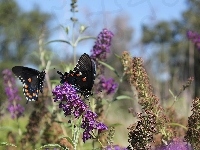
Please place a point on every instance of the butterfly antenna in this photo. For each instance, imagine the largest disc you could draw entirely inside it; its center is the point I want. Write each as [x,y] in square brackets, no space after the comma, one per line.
[60,73]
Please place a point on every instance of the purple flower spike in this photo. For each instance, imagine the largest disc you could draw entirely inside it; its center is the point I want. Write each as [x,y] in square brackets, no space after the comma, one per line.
[71,104]
[89,123]
[114,147]
[108,85]
[102,45]
[70,101]
[15,109]
[176,144]
[194,37]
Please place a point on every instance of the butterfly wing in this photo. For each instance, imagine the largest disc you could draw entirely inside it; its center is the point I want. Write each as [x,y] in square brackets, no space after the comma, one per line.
[83,75]
[32,81]
[85,72]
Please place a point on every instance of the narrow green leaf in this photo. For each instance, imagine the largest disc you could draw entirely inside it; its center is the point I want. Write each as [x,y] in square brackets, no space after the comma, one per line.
[7,144]
[51,145]
[83,38]
[115,125]
[67,30]
[63,41]
[82,28]
[122,97]
[110,67]
[117,56]
[171,93]
[177,124]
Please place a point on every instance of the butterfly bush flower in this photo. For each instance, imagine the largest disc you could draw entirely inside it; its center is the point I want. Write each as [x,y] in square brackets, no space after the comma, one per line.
[108,85]
[175,144]
[15,109]
[194,37]
[102,45]
[71,104]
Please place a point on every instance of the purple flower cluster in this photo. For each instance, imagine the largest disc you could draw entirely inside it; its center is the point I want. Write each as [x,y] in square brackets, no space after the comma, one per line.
[176,144]
[72,104]
[102,45]
[15,109]
[89,123]
[109,86]
[194,37]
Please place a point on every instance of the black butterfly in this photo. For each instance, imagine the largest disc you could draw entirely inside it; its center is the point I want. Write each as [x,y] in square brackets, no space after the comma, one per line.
[32,81]
[82,77]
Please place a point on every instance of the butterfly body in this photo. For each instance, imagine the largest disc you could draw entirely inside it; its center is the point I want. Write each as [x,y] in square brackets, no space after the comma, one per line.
[32,81]
[82,77]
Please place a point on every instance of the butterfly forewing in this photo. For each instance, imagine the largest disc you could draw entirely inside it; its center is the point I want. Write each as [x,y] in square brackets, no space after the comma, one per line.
[32,81]
[84,63]
[83,75]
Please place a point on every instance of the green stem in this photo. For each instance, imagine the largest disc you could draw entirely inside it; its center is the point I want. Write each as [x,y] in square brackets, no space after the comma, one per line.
[177,124]
[42,59]
[19,130]
[73,39]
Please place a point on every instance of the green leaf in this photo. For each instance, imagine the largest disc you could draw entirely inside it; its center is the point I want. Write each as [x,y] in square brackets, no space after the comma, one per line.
[109,67]
[67,30]
[117,56]
[63,41]
[177,124]
[52,145]
[83,38]
[122,97]
[82,28]
[7,144]
[115,125]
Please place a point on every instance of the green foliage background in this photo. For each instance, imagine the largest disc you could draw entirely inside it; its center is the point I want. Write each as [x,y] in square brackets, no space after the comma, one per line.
[19,36]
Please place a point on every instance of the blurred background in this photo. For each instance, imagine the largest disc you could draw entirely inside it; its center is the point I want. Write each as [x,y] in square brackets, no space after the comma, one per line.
[153,30]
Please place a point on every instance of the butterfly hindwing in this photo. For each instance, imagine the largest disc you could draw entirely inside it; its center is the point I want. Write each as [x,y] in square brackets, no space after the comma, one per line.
[83,75]
[32,81]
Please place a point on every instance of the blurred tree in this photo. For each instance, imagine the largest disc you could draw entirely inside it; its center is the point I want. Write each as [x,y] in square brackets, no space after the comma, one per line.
[122,41]
[19,34]
[175,60]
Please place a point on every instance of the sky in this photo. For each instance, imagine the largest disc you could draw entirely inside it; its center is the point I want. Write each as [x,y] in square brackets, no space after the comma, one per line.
[139,12]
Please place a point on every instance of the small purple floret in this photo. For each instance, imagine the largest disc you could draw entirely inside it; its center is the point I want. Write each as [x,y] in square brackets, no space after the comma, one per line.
[15,109]
[71,104]
[102,45]
[108,85]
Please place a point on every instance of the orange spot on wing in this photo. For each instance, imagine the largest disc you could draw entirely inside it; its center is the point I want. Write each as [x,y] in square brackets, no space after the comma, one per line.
[84,79]
[29,79]
[30,96]
[26,86]
[78,75]
[34,94]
